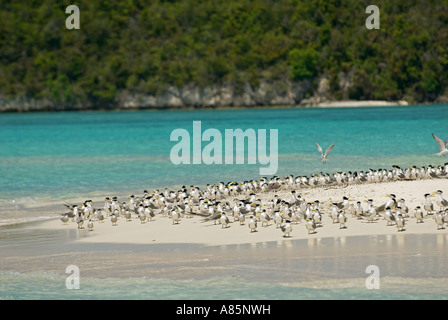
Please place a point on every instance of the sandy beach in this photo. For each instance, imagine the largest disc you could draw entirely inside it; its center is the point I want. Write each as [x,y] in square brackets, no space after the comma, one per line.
[197,231]
[360,104]
[197,258]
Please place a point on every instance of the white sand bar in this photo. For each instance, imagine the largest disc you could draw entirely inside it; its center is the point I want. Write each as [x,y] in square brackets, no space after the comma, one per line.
[194,230]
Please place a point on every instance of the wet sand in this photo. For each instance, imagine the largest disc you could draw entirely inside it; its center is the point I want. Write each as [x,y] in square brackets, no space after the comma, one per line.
[314,262]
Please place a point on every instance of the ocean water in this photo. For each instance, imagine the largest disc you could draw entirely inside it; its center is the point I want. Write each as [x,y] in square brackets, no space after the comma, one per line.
[47,159]
[48,286]
[34,262]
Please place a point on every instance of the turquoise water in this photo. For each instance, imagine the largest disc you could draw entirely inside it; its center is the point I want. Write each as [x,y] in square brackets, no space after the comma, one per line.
[44,285]
[61,154]
[34,265]
[47,158]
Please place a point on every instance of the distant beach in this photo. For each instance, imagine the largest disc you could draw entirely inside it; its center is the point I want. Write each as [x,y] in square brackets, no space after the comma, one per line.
[306,103]
[360,104]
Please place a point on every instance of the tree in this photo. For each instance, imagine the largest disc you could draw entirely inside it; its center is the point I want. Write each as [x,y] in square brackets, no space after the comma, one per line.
[303,63]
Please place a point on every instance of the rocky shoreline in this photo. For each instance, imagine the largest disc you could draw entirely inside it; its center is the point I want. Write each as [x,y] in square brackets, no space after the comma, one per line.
[304,93]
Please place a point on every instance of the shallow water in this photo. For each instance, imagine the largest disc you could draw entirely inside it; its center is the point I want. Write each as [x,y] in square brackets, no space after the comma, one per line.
[44,285]
[34,262]
[49,158]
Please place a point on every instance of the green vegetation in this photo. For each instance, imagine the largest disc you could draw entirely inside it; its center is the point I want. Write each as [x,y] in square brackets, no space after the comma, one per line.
[147,46]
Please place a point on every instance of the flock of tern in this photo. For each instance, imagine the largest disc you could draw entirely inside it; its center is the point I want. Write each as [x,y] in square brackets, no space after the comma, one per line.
[219,203]
[240,203]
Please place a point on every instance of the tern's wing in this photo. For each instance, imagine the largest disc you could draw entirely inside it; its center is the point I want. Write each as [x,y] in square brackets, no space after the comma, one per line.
[319,148]
[439,141]
[214,216]
[69,206]
[329,149]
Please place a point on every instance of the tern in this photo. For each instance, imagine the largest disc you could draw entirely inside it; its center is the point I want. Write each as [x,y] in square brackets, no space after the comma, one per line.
[142,217]
[418,214]
[324,156]
[311,226]
[389,217]
[342,220]
[334,213]
[175,215]
[403,207]
[100,216]
[113,219]
[265,218]
[252,224]
[441,202]
[359,210]
[286,229]
[442,145]
[439,219]
[128,215]
[241,219]
[215,216]
[391,203]
[224,220]
[371,212]
[317,218]
[428,206]
[90,225]
[149,213]
[73,213]
[400,222]
[80,221]
[344,204]
[64,218]
[278,219]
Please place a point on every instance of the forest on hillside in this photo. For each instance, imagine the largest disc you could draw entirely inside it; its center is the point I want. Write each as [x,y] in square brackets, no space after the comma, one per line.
[144,47]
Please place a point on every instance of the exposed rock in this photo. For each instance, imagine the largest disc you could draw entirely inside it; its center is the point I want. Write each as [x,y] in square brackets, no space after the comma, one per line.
[322,94]
[442,99]
[265,94]
[323,90]
[307,93]
[345,82]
